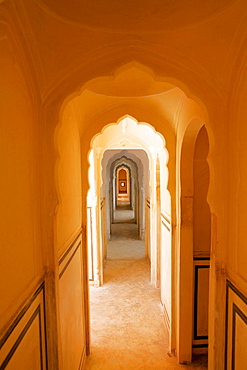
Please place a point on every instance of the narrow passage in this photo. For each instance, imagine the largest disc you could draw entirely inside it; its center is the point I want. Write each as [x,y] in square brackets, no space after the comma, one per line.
[127,327]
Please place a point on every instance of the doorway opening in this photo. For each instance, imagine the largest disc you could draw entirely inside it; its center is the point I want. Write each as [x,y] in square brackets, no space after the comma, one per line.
[195,241]
[123,206]
[123,186]
[128,166]
[125,221]
[124,157]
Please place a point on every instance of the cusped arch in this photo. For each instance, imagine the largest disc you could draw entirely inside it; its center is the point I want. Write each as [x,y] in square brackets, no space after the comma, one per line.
[120,56]
[136,135]
[102,118]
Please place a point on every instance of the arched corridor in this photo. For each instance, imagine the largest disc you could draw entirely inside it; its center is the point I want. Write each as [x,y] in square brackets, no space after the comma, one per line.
[120,220]
[109,105]
[136,147]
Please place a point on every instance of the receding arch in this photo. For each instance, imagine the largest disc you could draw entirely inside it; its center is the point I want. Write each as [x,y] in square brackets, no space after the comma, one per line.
[119,56]
[136,164]
[122,172]
[190,200]
[142,114]
[139,110]
[96,125]
[129,134]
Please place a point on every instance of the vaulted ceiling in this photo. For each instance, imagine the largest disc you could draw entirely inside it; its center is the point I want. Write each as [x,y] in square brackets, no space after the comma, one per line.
[71,41]
[137,57]
[135,15]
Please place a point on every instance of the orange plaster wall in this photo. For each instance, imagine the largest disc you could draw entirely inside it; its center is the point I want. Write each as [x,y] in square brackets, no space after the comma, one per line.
[21,258]
[68,225]
[68,219]
[201,219]
[71,308]
[200,56]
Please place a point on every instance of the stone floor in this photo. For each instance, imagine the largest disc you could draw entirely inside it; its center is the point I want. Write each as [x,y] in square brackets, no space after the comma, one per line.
[127,327]
[123,213]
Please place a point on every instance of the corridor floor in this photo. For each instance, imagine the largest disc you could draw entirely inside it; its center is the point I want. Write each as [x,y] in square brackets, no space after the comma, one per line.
[127,327]
[123,213]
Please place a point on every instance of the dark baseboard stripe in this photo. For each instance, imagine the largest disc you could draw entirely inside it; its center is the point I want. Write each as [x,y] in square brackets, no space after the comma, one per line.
[83,358]
[21,336]
[163,223]
[196,336]
[200,345]
[71,257]
[201,258]
[241,295]
[69,248]
[165,218]
[166,316]
[236,311]
[20,315]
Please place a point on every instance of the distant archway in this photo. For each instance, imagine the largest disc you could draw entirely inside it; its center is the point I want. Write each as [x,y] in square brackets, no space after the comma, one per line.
[130,135]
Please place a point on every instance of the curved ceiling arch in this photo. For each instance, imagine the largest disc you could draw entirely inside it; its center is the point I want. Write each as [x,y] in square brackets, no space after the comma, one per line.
[131,81]
[128,132]
[73,84]
[135,158]
[124,161]
[131,155]
[116,16]
[96,113]
[123,166]
[133,89]
[140,111]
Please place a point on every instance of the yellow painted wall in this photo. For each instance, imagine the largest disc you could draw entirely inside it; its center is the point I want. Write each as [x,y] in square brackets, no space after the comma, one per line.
[47,57]
[21,257]
[68,177]
[201,211]
[71,309]
[68,226]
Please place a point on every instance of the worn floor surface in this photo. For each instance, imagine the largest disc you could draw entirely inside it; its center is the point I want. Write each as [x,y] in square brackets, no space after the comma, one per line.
[123,213]
[127,327]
